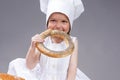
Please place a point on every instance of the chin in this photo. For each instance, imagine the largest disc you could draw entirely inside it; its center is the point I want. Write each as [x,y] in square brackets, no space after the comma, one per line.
[56,39]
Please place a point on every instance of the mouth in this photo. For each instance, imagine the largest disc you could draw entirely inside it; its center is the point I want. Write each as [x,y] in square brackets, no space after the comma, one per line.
[57,37]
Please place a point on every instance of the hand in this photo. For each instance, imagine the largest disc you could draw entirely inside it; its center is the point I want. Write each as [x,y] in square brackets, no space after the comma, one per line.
[36,38]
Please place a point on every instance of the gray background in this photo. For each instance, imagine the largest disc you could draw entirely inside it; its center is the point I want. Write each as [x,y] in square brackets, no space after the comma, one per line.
[97,29]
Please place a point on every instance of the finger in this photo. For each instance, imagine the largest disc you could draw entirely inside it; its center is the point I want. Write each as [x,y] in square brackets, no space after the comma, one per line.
[37,39]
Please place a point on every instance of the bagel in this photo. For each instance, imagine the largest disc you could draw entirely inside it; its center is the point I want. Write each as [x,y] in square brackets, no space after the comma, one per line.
[56,54]
[5,76]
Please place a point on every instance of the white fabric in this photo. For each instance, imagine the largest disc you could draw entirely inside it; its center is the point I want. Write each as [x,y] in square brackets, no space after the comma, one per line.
[71,8]
[47,69]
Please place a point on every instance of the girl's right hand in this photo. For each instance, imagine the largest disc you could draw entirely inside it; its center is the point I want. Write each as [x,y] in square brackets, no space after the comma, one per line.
[36,38]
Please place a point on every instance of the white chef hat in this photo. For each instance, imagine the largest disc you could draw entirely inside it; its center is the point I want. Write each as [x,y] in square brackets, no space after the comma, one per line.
[71,8]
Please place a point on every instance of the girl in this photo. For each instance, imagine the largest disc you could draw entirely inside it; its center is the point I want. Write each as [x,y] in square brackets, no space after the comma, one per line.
[60,15]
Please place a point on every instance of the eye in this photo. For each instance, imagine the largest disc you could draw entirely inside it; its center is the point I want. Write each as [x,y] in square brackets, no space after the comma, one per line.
[64,21]
[52,20]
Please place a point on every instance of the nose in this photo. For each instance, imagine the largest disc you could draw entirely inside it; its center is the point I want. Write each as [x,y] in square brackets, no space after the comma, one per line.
[58,26]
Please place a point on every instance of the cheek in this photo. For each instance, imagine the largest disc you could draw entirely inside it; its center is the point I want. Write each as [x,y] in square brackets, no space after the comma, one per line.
[50,26]
[66,28]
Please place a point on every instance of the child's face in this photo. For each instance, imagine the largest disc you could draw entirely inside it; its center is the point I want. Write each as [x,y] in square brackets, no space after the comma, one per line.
[58,21]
